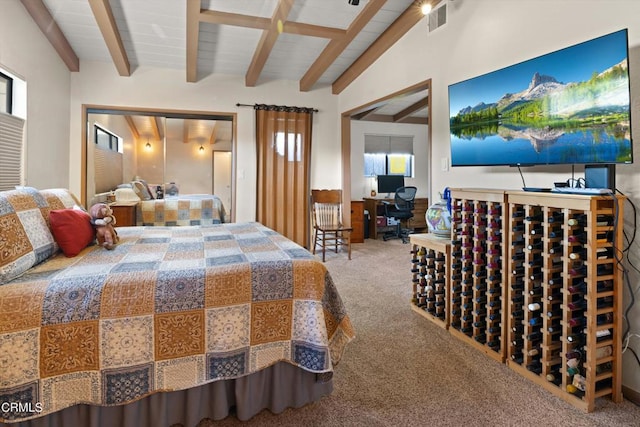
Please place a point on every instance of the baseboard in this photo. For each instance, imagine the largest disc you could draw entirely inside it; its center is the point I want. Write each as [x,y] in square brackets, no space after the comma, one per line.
[631,395]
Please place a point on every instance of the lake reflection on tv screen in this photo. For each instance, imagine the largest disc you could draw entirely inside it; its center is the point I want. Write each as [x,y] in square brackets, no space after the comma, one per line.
[512,146]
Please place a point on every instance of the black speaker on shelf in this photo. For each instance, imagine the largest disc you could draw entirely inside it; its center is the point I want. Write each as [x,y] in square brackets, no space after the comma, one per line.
[600,176]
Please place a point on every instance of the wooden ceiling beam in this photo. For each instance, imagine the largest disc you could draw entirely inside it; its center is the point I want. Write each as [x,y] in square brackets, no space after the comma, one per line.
[193,34]
[363,115]
[214,133]
[132,127]
[236,19]
[155,128]
[185,130]
[266,43]
[319,31]
[416,106]
[106,22]
[410,17]
[337,46]
[43,19]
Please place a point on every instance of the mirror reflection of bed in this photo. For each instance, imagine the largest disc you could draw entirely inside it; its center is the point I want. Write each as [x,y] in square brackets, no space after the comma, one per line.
[195,152]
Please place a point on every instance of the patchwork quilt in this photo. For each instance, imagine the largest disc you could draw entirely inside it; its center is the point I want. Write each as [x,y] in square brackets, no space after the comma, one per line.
[168,309]
[194,209]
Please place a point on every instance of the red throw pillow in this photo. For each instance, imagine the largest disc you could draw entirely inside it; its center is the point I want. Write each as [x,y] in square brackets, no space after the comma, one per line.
[72,230]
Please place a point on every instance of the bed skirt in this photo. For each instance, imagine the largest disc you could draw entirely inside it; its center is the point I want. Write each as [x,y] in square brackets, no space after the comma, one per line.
[276,388]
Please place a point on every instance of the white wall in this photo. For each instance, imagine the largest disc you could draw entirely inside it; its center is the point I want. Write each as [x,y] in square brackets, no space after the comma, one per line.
[26,53]
[482,36]
[99,84]
[361,186]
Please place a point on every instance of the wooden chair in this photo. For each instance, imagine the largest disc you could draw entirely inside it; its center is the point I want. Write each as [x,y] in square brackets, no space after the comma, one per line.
[328,229]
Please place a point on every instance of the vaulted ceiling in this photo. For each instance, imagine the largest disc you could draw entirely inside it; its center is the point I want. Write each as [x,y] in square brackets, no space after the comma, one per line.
[319,43]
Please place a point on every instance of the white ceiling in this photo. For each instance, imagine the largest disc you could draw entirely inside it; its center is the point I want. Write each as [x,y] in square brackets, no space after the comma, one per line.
[325,37]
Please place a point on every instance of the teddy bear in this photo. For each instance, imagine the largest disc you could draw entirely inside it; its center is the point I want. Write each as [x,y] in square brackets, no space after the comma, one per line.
[103,220]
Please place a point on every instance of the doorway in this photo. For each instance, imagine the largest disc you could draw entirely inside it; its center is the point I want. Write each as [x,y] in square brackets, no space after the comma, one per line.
[222,173]
[159,146]
[388,109]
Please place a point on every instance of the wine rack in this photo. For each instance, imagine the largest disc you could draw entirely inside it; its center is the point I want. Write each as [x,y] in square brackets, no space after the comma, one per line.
[430,264]
[565,295]
[477,297]
[532,280]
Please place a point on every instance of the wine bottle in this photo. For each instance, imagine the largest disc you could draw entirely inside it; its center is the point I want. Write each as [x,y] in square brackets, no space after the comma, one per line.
[537,245]
[556,248]
[578,238]
[604,269]
[556,217]
[535,321]
[518,228]
[538,216]
[605,318]
[554,313]
[580,271]
[578,253]
[534,336]
[603,352]
[518,285]
[517,314]
[580,287]
[535,367]
[577,220]
[536,275]
[534,306]
[573,371]
[556,233]
[517,299]
[577,321]
[577,305]
[518,213]
[518,256]
[605,285]
[555,279]
[536,291]
[537,230]
[574,338]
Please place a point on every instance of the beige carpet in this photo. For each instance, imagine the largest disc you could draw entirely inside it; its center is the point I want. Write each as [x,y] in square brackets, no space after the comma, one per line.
[403,370]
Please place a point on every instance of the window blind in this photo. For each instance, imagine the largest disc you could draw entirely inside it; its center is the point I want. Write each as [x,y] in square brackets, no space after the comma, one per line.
[388,144]
[108,169]
[11,135]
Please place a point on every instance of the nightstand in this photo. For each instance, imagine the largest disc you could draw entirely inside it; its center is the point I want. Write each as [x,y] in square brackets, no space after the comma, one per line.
[125,213]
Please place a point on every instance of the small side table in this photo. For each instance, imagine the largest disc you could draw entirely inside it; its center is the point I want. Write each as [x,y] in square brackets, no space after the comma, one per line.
[125,213]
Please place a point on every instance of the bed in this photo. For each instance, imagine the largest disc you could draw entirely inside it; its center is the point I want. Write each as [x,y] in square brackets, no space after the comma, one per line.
[174,325]
[188,209]
[174,208]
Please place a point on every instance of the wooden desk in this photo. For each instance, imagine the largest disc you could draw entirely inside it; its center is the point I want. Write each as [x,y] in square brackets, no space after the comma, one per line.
[375,207]
[357,221]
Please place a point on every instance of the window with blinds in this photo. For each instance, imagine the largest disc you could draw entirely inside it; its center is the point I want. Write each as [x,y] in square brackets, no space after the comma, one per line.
[388,155]
[11,131]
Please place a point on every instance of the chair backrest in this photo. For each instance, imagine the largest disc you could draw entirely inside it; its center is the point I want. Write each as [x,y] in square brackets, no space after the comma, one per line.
[326,206]
[405,198]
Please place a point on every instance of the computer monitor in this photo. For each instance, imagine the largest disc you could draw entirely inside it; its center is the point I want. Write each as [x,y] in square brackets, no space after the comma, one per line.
[389,183]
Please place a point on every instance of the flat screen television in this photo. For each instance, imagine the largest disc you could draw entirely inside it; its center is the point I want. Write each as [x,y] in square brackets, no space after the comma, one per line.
[566,107]
[389,183]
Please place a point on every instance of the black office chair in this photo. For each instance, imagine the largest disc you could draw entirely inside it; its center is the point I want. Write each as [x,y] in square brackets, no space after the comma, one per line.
[400,210]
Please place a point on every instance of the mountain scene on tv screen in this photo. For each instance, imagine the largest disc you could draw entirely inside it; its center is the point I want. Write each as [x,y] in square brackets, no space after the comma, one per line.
[549,122]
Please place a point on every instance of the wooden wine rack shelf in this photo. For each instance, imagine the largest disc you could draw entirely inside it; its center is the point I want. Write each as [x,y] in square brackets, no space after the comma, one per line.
[430,265]
[477,254]
[565,298]
[532,281]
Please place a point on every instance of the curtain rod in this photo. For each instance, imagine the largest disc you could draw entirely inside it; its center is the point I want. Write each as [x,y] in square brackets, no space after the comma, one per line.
[279,108]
